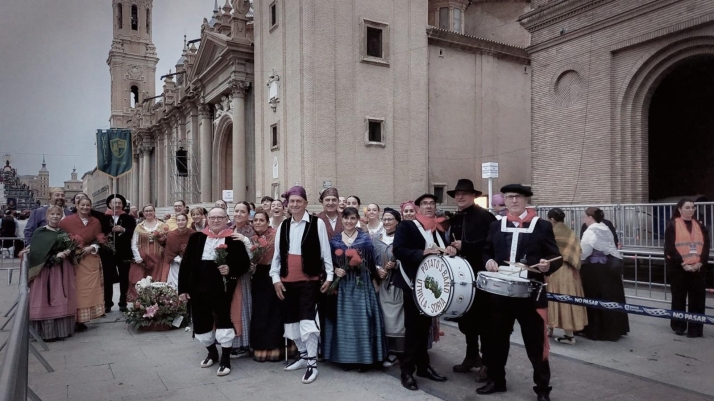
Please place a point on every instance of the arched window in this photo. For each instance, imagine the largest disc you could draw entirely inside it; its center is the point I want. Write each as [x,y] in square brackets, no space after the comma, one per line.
[134,96]
[120,16]
[134,18]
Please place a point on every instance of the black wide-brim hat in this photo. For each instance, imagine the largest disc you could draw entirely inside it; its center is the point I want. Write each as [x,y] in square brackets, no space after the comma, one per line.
[464,185]
[518,189]
[111,197]
[421,198]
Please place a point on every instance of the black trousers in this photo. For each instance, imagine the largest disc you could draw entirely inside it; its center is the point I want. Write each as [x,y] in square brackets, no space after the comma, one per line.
[208,309]
[475,324]
[505,311]
[691,286]
[416,337]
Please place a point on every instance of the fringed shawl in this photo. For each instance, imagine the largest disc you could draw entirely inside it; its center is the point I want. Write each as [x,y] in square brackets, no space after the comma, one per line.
[144,242]
[568,244]
[44,245]
[269,236]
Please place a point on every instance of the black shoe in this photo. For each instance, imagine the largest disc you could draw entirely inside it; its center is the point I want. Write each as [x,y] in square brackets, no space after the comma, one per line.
[409,383]
[108,309]
[543,397]
[679,332]
[123,309]
[491,388]
[694,335]
[467,365]
[80,327]
[431,374]
[543,393]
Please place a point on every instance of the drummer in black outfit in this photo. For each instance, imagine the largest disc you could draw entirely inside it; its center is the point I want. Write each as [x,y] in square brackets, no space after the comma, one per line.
[410,248]
[468,231]
[534,244]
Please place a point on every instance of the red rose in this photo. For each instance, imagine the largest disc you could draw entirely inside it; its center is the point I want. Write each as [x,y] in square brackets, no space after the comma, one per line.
[102,239]
[166,228]
[222,246]
[351,253]
[355,261]
[262,242]
[339,252]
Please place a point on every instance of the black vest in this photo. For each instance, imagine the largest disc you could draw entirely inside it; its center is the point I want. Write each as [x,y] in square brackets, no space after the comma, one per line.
[312,263]
[8,227]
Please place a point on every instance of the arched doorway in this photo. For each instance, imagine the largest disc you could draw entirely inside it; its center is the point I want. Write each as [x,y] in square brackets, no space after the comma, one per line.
[681,131]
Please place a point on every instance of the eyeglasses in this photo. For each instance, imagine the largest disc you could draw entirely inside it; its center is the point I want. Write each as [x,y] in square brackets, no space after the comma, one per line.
[216,218]
[514,197]
[427,204]
[388,220]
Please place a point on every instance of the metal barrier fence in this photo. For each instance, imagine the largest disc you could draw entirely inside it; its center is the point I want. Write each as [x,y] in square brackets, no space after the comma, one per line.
[9,247]
[13,372]
[638,225]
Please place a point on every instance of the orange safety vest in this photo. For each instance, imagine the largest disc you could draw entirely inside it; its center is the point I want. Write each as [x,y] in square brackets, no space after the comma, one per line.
[689,245]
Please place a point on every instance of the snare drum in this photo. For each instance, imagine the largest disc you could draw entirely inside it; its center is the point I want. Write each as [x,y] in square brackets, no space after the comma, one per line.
[444,286]
[508,285]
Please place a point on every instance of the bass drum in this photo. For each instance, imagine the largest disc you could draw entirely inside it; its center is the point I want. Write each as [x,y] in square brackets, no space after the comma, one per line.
[444,286]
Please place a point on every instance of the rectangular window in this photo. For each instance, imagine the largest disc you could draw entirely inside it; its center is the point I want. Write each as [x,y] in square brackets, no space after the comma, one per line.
[374,132]
[274,136]
[148,20]
[457,20]
[120,16]
[134,18]
[439,193]
[444,18]
[273,15]
[374,42]
[374,46]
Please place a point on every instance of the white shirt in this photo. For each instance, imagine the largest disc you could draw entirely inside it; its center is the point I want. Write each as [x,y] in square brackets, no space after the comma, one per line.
[376,231]
[209,250]
[135,240]
[297,229]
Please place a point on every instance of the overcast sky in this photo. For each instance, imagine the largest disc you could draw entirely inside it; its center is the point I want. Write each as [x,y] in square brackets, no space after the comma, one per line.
[55,80]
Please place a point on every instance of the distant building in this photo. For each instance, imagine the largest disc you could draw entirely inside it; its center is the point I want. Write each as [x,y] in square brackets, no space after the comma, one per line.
[39,184]
[97,186]
[17,195]
[73,186]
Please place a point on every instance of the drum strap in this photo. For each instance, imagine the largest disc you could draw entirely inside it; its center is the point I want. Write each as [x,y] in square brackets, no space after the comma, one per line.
[516,232]
[429,239]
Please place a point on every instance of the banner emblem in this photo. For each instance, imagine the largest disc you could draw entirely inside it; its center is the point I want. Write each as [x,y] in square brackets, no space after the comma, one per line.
[118,147]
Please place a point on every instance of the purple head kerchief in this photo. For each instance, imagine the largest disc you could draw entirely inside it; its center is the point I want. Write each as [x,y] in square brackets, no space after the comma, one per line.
[296,190]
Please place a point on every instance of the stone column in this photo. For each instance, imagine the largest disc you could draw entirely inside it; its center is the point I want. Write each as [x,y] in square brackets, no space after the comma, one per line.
[135,182]
[206,152]
[146,176]
[239,91]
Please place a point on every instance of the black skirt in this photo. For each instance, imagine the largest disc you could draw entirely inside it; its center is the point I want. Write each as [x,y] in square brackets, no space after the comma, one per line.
[266,327]
[603,282]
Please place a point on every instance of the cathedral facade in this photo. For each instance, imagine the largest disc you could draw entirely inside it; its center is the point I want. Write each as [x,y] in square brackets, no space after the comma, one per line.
[385,102]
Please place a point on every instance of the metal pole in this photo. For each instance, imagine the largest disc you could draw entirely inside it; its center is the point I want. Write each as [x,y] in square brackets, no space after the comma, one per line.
[490,194]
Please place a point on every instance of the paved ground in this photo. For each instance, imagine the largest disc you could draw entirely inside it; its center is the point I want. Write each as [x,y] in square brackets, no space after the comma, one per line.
[113,362]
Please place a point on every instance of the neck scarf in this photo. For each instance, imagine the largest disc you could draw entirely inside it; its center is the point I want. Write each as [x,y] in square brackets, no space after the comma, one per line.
[568,244]
[530,214]
[431,223]
[44,242]
[113,213]
[686,242]
[226,232]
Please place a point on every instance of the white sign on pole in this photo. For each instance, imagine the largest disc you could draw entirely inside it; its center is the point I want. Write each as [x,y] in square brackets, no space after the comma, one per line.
[489,170]
[227,195]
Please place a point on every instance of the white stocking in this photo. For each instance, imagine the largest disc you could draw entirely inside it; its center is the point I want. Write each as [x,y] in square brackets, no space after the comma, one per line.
[312,341]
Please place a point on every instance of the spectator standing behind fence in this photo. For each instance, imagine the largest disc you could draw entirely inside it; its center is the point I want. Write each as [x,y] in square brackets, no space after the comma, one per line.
[686,250]
[566,280]
[600,273]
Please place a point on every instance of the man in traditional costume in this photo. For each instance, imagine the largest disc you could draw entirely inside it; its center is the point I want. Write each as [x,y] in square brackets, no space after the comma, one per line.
[302,255]
[121,229]
[520,237]
[330,199]
[179,207]
[468,230]
[37,218]
[413,241]
[210,286]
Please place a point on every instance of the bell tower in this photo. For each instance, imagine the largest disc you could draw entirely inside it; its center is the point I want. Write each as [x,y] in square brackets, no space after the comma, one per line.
[132,59]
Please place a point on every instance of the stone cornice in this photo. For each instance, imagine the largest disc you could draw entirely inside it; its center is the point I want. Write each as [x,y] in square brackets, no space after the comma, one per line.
[440,37]
[704,19]
[599,25]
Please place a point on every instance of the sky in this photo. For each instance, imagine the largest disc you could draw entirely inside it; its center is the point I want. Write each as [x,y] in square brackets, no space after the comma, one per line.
[55,79]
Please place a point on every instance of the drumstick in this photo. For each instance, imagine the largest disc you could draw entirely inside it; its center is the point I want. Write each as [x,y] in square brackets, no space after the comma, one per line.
[550,260]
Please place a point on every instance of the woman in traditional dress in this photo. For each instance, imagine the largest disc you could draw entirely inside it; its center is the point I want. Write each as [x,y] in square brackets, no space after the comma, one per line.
[566,280]
[356,336]
[390,297]
[174,249]
[89,279]
[241,306]
[266,326]
[198,215]
[686,251]
[374,223]
[147,250]
[277,213]
[601,278]
[409,210]
[53,295]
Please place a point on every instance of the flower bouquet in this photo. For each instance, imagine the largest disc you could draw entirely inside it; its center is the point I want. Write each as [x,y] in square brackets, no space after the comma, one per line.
[159,236]
[221,257]
[156,304]
[67,242]
[106,242]
[347,260]
[259,249]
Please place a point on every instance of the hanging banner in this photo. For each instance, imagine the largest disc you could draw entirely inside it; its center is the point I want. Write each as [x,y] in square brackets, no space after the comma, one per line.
[114,153]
